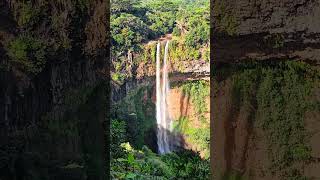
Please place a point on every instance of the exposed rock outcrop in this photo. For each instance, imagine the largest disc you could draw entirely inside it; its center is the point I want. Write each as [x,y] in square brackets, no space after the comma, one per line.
[265,29]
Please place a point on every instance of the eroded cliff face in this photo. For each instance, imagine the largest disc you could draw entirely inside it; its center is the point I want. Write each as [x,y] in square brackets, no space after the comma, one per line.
[137,108]
[53,57]
[180,107]
[265,29]
[263,129]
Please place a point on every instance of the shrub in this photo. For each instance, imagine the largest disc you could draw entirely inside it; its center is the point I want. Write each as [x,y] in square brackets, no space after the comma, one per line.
[226,21]
[285,126]
[272,88]
[28,53]
[137,112]
[118,77]
[118,136]
[198,91]
[176,31]
[198,136]
[206,55]
[144,164]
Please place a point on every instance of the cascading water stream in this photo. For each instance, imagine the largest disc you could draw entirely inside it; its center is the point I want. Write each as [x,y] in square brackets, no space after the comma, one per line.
[165,90]
[158,103]
[163,120]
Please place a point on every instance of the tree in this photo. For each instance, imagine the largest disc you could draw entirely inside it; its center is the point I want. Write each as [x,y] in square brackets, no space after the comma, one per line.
[128,31]
[123,6]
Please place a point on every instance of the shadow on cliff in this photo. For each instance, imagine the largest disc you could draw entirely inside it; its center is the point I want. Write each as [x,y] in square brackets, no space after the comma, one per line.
[184,105]
[136,107]
[264,46]
[176,140]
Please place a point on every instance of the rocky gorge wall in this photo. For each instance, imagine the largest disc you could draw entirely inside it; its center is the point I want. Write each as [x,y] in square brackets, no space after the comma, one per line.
[133,98]
[143,73]
[137,108]
[188,122]
[265,61]
[52,96]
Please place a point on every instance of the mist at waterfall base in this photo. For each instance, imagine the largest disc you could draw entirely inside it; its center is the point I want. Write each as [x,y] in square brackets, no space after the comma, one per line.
[163,121]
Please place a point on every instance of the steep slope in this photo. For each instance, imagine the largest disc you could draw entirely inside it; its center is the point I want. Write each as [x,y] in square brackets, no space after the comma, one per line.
[136,105]
[52,96]
[265,100]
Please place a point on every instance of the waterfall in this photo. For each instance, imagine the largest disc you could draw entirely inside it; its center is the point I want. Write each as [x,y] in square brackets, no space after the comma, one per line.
[165,90]
[163,120]
[158,103]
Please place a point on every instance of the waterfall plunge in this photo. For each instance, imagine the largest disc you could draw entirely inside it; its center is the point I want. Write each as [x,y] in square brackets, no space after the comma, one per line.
[163,121]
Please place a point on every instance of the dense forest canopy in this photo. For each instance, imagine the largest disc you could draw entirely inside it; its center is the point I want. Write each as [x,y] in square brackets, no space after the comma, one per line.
[135,22]
[155,18]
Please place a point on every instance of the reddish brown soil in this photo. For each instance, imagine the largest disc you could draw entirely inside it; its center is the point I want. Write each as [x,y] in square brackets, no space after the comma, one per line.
[181,106]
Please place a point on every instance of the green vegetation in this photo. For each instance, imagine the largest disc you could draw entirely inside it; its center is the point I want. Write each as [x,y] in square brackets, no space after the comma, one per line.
[119,6]
[285,126]
[28,53]
[62,120]
[225,21]
[118,77]
[68,124]
[198,91]
[149,53]
[133,121]
[28,15]
[134,23]
[43,33]
[78,121]
[139,111]
[275,41]
[271,89]
[197,136]
[128,163]
[118,136]
[127,32]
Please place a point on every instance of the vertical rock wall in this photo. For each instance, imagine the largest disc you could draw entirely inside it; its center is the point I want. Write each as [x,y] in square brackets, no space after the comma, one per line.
[48,119]
[265,32]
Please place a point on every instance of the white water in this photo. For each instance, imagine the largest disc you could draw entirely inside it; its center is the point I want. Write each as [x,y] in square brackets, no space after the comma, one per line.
[163,120]
[158,103]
